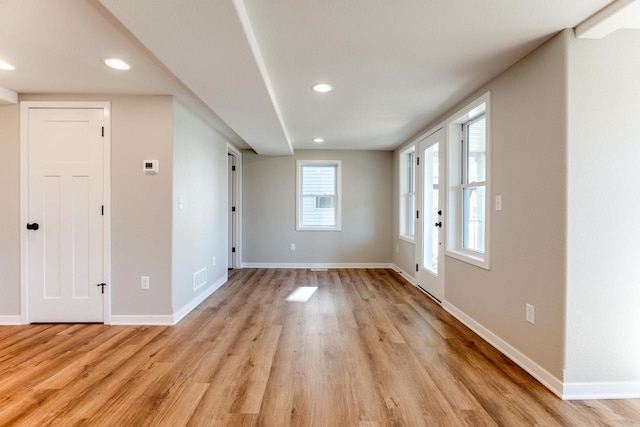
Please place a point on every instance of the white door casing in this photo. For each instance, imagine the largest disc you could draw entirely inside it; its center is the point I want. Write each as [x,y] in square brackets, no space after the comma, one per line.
[64,160]
[430,221]
[235,199]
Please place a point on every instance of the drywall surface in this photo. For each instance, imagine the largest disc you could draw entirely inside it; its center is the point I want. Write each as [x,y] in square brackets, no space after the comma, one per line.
[141,129]
[529,119]
[10,210]
[603,319]
[200,226]
[269,203]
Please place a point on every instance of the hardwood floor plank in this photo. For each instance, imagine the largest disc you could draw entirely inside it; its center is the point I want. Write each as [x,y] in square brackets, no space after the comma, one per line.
[366,349]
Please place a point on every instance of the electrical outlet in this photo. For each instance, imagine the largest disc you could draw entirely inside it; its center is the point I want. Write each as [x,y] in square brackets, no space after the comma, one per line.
[144,282]
[293,246]
[498,203]
[530,314]
[214,261]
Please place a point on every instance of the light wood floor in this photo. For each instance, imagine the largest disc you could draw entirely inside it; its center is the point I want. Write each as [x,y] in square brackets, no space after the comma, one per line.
[367,349]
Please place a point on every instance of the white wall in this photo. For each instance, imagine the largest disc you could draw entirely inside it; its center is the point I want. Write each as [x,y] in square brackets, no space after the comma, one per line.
[529,119]
[269,189]
[603,315]
[200,228]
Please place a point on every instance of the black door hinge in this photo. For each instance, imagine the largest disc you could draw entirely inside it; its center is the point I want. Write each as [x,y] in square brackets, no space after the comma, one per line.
[233,209]
[416,267]
[418,214]
[233,249]
[418,161]
[102,285]
[233,168]
[102,210]
[103,131]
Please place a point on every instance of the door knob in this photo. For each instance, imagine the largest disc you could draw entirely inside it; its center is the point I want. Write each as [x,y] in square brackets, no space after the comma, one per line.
[33,226]
[438,224]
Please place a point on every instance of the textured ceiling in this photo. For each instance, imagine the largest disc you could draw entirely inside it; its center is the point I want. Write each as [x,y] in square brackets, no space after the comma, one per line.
[396,65]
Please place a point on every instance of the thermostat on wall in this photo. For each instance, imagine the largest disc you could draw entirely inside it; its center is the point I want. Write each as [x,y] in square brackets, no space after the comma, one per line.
[151,167]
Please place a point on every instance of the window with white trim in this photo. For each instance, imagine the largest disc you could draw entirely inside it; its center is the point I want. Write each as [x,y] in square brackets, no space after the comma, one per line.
[318,200]
[407,194]
[469,171]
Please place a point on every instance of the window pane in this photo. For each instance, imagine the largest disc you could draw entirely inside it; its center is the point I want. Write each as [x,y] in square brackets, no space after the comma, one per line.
[411,176]
[476,151]
[473,209]
[325,202]
[319,195]
[407,193]
[431,185]
[319,180]
[312,216]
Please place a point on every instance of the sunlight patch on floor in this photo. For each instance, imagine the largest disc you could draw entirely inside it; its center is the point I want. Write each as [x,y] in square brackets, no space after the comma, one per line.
[302,294]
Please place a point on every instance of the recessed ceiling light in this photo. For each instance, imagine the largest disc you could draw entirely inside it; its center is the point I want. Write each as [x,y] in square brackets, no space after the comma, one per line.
[322,87]
[116,63]
[318,140]
[6,66]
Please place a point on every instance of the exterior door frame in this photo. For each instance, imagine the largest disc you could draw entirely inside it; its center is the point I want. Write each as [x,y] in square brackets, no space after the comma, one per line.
[25,107]
[420,222]
[236,260]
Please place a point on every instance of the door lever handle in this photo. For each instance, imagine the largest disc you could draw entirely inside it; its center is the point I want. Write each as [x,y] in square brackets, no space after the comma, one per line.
[438,224]
[33,226]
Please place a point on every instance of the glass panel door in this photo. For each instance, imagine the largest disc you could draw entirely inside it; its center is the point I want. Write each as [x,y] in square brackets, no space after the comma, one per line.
[429,226]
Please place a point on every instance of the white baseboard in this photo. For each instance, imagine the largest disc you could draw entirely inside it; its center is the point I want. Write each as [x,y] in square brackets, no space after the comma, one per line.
[11,320]
[169,320]
[601,390]
[187,308]
[142,319]
[316,265]
[406,276]
[536,371]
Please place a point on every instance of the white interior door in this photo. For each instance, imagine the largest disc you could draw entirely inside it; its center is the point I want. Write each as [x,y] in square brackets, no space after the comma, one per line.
[66,251]
[429,224]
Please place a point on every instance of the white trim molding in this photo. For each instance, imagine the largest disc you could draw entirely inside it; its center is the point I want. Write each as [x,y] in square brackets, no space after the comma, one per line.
[601,390]
[300,165]
[519,358]
[190,306]
[11,320]
[315,265]
[237,262]
[141,319]
[455,183]
[406,276]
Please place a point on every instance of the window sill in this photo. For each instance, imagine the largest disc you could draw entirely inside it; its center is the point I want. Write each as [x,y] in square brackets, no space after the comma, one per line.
[300,228]
[477,260]
[407,239]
